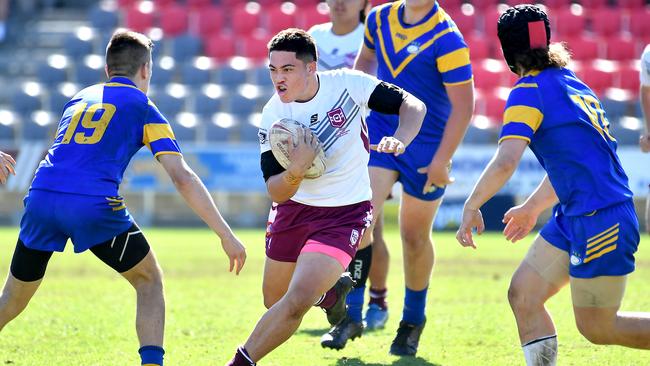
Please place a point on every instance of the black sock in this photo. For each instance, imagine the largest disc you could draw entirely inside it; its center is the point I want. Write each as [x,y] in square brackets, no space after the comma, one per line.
[360,266]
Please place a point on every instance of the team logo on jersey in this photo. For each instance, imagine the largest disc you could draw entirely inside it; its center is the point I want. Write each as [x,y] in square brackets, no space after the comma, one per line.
[413,48]
[313,119]
[400,36]
[575,259]
[354,237]
[336,117]
[262,134]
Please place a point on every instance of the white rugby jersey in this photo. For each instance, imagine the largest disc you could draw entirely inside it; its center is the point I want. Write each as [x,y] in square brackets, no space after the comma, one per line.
[334,51]
[336,115]
[645,67]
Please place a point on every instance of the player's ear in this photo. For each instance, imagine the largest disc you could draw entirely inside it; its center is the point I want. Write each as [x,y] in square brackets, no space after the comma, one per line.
[311,67]
[106,71]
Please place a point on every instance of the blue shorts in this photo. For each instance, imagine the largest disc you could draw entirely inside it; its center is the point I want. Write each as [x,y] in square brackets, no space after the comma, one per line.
[407,164]
[599,244]
[51,218]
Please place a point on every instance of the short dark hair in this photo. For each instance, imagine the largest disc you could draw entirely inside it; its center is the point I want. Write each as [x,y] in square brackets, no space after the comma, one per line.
[126,52]
[295,40]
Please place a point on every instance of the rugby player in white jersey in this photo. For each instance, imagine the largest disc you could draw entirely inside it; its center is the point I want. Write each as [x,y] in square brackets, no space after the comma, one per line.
[318,223]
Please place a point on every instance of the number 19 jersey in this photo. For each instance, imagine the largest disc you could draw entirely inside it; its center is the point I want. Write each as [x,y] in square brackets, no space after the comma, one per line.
[567,129]
[101,128]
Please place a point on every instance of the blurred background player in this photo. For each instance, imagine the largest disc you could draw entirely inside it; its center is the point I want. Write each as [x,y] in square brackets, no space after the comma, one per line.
[415,45]
[318,223]
[338,43]
[593,234]
[7,166]
[644,140]
[74,194]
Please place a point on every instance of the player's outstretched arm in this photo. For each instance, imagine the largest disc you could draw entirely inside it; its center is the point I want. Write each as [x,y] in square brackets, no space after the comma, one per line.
[520,220]
[366,60]
[7,166]
[189,185]
[495,176]
[284,185]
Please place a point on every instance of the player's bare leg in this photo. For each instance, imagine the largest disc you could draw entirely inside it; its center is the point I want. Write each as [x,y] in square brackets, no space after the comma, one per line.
[15,297]
[377,313]
[542,273]
[415,220]
[596,302]
[277,276]
[381,182]
[315,273]
[146,278]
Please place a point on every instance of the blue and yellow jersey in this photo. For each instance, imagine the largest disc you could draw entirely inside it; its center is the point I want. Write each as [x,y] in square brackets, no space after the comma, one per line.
[421,58]
[567,129]
[102,127]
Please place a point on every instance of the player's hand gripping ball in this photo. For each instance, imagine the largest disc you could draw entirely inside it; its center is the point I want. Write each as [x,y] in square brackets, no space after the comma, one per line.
[278,137]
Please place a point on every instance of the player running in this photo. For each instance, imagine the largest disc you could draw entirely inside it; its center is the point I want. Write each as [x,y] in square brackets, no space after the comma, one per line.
[590,240]
[413,44]
[318,223]
[74,194]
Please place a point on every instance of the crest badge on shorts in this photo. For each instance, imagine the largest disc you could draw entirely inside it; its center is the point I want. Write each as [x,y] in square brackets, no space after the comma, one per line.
[354,237]
[336,117]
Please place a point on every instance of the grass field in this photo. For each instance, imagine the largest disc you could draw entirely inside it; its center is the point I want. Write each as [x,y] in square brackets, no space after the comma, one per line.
[83,313]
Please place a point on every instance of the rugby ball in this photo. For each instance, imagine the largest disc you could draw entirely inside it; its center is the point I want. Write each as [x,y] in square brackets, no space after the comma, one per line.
[279,134]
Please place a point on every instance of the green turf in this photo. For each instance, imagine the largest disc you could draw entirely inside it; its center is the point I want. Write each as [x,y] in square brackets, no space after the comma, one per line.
[83,313]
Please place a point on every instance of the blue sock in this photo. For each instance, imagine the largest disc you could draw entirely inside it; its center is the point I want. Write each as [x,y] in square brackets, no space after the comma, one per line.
[414,303]
[151,355]
[355,303]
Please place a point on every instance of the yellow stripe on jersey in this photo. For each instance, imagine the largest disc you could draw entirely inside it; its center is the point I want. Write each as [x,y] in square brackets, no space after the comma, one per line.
[120,84]
[602,239]
[514,137]
[600,254]
[525,85]
[453,60]
[604,232]
[533,73]
[167,153]
[402,37]
[118,208]
[368,36]
[602,245]
[157,131]
[459,82]
[524,114]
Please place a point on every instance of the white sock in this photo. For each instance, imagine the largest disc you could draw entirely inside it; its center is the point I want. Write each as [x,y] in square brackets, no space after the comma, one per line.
[541,351]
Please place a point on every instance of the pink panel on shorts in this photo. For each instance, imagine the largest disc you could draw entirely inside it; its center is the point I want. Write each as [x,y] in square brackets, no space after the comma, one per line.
[313,246]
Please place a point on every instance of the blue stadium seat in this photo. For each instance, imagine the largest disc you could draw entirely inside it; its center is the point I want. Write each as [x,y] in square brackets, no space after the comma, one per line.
[26,102]
[50,74]
[39,126]
[615,109]
[169,105]
[247,131]
[76,48]
[206,105]
[624,136]
[186,47]
[8,122]
[182,133]
[161,76]
[192,74]
[230,77]
[241,105]
[477,135]
[86,75]
[214,132]
[103,18]
[260,76]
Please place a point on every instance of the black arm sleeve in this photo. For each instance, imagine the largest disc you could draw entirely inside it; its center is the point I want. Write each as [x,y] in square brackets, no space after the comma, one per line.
[387,98]
[270,165]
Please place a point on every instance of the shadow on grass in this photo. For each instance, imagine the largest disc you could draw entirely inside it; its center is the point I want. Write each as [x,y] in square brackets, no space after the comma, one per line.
[313,332]
[405,361]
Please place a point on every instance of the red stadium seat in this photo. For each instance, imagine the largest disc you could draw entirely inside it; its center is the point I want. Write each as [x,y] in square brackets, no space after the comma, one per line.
[594,4]
[569,23]
[640,23]
[220,47]
[494,107]
[478,48]
[466,22]
[490,22]
[486,79]
[254,47]
[448,5]
[632,4]
[598,80]
[584,48]
[246,18]
[627,78]
[621,48]
[173,20]
[208,20]
[137,20]
[198,4]
[485,5]
[302,3]
[163,3]
[280,16]
[557,4]
[123,4]
[606,21]
[312,15]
